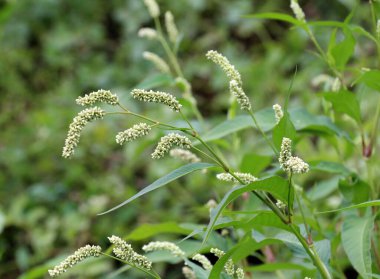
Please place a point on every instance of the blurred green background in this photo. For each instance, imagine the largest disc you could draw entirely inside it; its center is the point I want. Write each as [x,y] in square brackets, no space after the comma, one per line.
[52,51]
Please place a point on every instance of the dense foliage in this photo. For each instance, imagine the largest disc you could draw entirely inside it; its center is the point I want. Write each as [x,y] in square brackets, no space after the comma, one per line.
[322,72]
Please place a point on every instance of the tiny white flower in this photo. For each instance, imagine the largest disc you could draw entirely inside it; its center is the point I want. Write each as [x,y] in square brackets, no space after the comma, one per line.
[137,131]
[148,33]
[245,177]
[153,8]
[167,142]
[203,261]
[225,64]
[156,97]
[297,10]
[101,96]
[240,95]
[184,155]
[79,255]
[188,273]
[157,61]
[171,28]
[164,245]
[278,113]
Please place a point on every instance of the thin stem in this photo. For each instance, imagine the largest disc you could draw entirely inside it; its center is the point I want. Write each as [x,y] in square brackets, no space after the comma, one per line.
[309,237]
[290,208]
[205,154]
[262,132]
[187,121]
[312,253]
[167,48]
[375,127]
[149,272]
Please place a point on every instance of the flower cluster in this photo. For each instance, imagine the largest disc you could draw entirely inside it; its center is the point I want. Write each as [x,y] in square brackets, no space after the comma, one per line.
[166,143]
[101,96]
[79,255]
[229,266]
[188,273]
[203,261]
[225,64]
[240,96]
[76,127]
[148,33]
[245,177]
[278,113]
[125,252]
[288,162]
[171,27]
[137,131]
[156,97]
[184,155]
[280,204]
[164,245]
[298,12]
[153,8]
[157,61]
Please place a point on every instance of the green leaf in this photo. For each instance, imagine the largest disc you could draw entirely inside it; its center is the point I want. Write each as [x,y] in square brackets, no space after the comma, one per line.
[360,205]
[254,163]
[276,16]
[265,118]
[182,171]
[265,219]
[342,51]
[356,241]
[323,189]
[284,128]
[331,167]
[148,230]
[275,185]
[277,266]
[344,102]
[303,121]
[371,79]
[155,81]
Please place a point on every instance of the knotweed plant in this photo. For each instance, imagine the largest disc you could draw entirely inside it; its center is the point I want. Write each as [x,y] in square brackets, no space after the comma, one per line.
[283,204]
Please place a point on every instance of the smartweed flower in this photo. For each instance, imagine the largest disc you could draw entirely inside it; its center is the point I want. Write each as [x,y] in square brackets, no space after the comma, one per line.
[76,127]
[101,96]
[285,152]
[241,97]
[240,273]
[166,143]
[280,204]
[288,162]
[157,61]
[156,97]
[171,28]
[336,85]
[125,252]
[164,245]
[278,113]
[297,165]
[245,177]
[79,255]
[188,273]
[184,155]
[148,33]
[203,261]
[137,131]
[225,64]
[229,266]
[298,12]
[153,8]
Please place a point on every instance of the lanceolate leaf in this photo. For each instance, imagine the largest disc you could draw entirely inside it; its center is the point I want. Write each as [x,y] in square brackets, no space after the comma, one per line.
[301,118]
[356,241]
[182,171]
[360,205]
[275,185]
[276,16]
[148,230]
[344,102]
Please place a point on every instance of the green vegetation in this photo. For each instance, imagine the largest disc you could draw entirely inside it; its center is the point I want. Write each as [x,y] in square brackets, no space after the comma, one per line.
[230,140]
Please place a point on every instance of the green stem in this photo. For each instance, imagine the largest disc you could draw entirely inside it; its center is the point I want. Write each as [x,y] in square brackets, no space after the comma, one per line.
[290,208]
[262,132]
[311,252]
[309,237]
[167,48]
